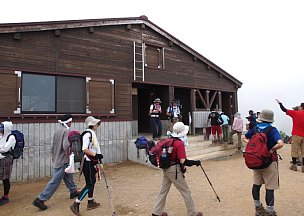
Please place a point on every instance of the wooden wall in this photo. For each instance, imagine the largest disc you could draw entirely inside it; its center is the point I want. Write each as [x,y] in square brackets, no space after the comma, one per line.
[36,162]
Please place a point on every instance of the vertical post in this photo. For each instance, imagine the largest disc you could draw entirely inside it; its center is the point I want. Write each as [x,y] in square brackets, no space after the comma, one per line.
[220,100]
[143,60]
[192,109]
[134,61]
[208,100]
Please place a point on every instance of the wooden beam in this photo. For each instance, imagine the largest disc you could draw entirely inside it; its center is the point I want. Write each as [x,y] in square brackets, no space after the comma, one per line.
[171,43]
[212,98]
[192,108]
[208,99]
[142,26]
[220,100]
[129,26]
[202,99]
[171,94]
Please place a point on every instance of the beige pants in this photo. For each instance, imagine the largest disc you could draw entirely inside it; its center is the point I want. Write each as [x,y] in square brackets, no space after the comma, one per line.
[268,176]
[297,146]
[180,184]
[239,134]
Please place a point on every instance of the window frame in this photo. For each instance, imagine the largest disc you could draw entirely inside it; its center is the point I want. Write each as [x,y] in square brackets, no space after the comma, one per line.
[161,56]
[20,97]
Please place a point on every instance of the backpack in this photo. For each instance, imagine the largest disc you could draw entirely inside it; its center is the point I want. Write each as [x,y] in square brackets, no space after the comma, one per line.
[256,154]
[160,154]
[141,143]
[17,152]
[220,121]
[75,140]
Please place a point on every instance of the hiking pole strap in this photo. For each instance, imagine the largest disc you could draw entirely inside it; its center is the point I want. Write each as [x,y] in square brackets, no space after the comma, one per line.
[210,184]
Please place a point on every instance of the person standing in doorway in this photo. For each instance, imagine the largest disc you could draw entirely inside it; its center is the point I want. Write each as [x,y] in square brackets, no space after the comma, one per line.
[174,114]
[297,144]
[237,128]
[155,111]
[6,161]
[60,160]
[225,126]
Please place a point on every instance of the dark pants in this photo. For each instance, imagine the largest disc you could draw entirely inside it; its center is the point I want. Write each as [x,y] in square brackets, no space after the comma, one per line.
[89,172]
[156,127]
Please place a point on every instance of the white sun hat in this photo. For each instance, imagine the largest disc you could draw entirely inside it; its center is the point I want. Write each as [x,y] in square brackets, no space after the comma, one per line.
[179,130]
[91,121]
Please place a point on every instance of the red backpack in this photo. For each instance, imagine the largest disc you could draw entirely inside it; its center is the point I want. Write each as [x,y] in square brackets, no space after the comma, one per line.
[160,154]
[256,154]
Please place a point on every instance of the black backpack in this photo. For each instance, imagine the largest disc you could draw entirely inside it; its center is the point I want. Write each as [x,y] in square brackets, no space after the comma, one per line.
[75,140]
[17,151]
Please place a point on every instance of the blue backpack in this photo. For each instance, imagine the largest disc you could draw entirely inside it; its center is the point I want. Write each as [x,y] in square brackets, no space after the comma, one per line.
[141,143]
[17,151]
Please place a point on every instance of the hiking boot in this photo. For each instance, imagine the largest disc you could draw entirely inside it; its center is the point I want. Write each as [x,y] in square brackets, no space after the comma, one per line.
[260,211]
[39,204]
[293,167]
[163,214]
[75,208]
[74,194]
[4,200]
[92,204]
[273,213]
[199,214]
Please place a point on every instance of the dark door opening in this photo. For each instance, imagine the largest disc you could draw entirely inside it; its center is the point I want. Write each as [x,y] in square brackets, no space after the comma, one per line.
[145,95]
[184,96]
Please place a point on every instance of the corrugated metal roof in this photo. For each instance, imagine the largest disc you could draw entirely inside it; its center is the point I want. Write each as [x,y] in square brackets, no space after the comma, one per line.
[68,24]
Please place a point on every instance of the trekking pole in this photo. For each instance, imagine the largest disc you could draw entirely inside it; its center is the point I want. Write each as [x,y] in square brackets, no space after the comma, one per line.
[210,183]
[107,186]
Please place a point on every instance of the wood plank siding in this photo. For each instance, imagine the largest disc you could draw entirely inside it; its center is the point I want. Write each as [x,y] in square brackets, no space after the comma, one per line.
[36,161]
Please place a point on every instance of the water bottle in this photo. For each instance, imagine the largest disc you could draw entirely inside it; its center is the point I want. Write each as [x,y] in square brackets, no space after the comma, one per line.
[164,154]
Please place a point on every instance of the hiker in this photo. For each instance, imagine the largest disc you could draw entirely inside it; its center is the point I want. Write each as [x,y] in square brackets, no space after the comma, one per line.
[297,133]
[92,159]
[216,129]
[155,111]
[225,126]
[270,175]
[174,114]
[6,161]
[174,174]
[252,119]
[60,160]
[237,128]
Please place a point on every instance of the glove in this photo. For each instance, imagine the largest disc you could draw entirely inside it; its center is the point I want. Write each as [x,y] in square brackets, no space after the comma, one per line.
[192,162]
[98,157]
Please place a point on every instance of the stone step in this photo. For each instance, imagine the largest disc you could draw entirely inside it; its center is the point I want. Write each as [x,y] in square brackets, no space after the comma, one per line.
[216,154]
[207,149]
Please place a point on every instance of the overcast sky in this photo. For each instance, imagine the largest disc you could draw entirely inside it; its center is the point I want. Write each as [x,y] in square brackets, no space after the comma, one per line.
[259,42]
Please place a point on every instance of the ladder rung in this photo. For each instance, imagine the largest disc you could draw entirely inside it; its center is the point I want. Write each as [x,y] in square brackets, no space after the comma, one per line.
[138,69]
[137,61]
[138,45]
[138,53]
[138,76]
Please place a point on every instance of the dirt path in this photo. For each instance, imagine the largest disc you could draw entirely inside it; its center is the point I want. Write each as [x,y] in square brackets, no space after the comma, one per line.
[134,188]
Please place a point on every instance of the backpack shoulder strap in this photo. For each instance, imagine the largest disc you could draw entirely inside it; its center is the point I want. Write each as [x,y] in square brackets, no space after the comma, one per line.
[86,131]
[255,130]
[267,130]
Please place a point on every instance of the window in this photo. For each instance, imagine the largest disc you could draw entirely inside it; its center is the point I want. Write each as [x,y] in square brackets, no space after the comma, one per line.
[52,94]
[154,57]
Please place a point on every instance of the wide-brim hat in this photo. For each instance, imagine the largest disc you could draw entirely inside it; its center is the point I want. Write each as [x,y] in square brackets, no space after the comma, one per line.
[157,100]
[266,115]
[91,121]
[180,130]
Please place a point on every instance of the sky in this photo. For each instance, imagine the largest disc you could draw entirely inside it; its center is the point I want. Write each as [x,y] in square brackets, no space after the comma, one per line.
[261,42]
